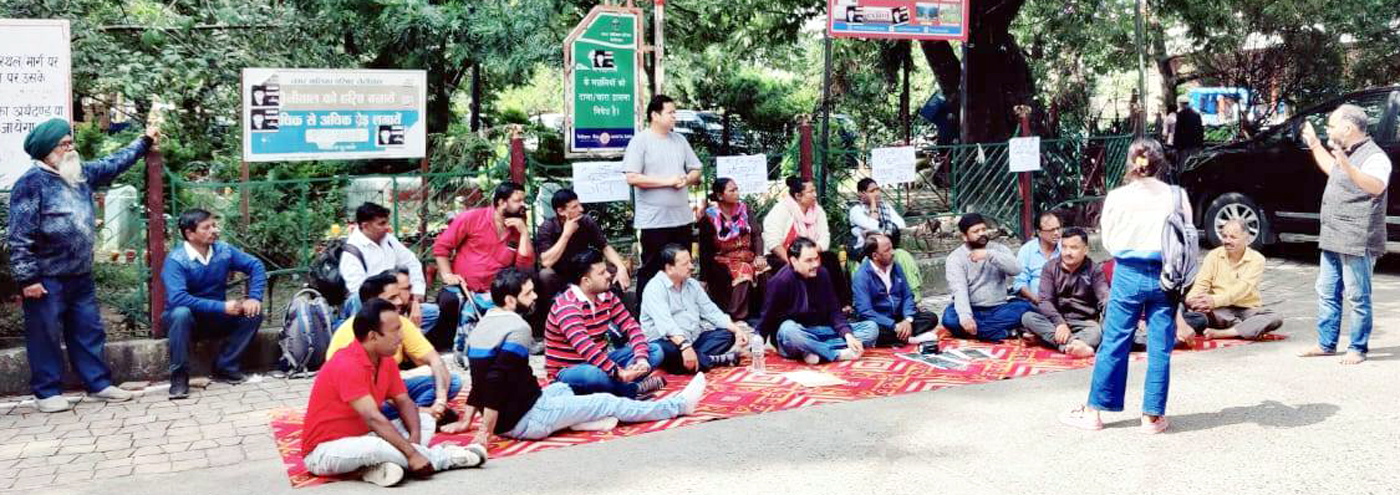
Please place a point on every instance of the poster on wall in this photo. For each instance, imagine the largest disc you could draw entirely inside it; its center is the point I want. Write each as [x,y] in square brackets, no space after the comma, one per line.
[35,85]
[322,114]
[898,19]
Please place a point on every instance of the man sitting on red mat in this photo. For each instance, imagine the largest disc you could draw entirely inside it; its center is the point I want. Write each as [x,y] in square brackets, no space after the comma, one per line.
[345,432]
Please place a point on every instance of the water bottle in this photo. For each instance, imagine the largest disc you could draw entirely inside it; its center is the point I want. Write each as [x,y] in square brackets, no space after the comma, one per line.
[756,348]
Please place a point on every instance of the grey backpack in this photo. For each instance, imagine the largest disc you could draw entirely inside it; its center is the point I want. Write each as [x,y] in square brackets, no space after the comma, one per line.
[306,334]
[1180,249]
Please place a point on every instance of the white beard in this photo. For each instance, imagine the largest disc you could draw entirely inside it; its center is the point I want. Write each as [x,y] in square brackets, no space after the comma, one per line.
[70,168]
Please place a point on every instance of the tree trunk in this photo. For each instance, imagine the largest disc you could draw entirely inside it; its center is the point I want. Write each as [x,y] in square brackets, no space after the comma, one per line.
[999,79]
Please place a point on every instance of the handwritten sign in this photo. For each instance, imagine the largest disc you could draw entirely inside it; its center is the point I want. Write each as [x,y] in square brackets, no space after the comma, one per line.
[1025,154]
[35,82]
[750,172]
[889,166]
[600,182]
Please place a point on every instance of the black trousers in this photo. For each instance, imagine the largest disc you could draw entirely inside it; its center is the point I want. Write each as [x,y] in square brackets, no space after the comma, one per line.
[710,343]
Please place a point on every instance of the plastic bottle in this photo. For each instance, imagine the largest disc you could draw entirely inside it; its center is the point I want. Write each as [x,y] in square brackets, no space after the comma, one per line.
[756,349]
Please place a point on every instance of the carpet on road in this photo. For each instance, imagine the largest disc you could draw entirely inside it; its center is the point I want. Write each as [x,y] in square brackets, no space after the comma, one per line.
[734,392]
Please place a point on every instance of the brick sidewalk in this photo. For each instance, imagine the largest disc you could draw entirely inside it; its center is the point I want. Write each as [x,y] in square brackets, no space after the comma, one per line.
[217,426]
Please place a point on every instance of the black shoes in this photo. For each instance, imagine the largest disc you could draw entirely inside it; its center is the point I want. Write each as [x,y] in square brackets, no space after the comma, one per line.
[230,377]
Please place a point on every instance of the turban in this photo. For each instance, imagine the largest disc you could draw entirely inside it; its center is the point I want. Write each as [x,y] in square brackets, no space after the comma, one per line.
[45,137]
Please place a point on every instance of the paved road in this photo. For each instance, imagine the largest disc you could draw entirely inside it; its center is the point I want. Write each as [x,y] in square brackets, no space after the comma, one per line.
[1251,419]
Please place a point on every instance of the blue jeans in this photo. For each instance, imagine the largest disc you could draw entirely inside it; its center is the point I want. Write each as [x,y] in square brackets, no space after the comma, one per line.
[994,323]
[1353,273]
[794,340]
[67,314]
[1136,288]
[558,407]
[587,379]
[423,391]
[182,324]
[709,343]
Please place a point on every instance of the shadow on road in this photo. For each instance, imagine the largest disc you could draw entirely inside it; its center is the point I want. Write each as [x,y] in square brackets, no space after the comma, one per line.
[1270,413]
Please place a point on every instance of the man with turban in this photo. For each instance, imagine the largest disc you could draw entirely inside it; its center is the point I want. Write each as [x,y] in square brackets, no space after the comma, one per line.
[51,236]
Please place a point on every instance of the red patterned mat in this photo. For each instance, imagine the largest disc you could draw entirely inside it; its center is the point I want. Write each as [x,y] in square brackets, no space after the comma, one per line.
[734,392]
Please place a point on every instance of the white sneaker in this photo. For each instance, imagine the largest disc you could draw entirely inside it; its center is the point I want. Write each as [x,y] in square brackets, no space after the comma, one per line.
[383,474]
[112,394]
[480,450]
[812,359]
[53,404]
[462,457]
[604,424]
[692,393]
[928,336]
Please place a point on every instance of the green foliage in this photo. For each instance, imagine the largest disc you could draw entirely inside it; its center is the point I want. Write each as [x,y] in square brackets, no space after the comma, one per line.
[122,289]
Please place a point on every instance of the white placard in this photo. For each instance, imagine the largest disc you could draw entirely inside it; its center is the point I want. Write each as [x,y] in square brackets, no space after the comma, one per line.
[889,166]
[35,85]
[750,172]
[600,182]
[324,114]
[1025,154]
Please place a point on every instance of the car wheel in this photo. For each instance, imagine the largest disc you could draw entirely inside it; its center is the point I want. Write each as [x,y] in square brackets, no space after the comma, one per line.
[1236,206]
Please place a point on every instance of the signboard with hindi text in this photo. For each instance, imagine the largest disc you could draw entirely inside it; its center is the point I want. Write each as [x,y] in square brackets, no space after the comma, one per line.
[890,166]
[323,114]
[35,85]
[1025,154]
[750,172]
[602,71]
[600,182]
[898,19]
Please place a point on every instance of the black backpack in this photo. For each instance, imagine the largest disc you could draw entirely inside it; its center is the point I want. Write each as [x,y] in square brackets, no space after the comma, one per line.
[324,275]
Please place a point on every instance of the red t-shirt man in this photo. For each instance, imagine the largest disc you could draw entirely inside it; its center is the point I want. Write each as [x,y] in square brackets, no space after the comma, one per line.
[349,375]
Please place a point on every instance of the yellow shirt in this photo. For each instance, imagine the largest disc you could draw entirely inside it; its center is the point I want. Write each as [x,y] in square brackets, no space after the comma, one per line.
[1230,284]
[414,343]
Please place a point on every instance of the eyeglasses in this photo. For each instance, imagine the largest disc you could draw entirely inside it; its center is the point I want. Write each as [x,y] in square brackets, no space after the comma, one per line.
[66,145]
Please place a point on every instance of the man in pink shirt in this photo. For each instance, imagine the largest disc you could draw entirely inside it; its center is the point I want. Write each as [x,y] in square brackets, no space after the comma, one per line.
[478,243]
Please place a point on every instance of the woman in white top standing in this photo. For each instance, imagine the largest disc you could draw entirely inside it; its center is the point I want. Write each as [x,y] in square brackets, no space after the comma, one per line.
[1132,222]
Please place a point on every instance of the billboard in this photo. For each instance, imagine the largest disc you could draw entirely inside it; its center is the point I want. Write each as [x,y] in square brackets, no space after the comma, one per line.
[602,68]
[36,65]
[322,114]
[898,19]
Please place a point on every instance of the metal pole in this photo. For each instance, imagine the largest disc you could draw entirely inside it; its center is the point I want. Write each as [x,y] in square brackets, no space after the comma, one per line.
[962,98]
[659,24]
[1023,113]
[904,103]
[826,117]
[476,97]
[155,236]
[1141,117]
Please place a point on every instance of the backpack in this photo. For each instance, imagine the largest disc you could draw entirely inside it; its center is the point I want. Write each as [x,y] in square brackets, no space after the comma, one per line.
[324,273]
[306,333]
[1180,250]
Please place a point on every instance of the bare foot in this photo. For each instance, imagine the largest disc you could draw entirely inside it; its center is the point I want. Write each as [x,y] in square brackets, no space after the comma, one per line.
[1314,352]
[1353,357]
[455,428]
[1208,334]
[1078,349]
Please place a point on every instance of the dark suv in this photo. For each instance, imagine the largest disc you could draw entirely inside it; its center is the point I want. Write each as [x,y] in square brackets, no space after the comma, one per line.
[1272,183]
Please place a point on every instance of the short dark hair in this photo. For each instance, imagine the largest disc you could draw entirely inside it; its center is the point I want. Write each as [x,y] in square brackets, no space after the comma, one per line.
[795,186]
[872,243]
[581,263]
[504,192]
[508,283]
[1075,232]
[370,212]
[375,284]
[865,184]
[658,105]
[190,220]
[970,220]
[562,198]
[798,245]
[1049,214]
[367,318]
[718,186]
[668,253]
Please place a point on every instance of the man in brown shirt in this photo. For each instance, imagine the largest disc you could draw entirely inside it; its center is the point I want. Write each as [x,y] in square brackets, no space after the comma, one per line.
[1073,292]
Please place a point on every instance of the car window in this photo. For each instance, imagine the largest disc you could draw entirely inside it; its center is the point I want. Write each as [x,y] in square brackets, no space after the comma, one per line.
[1374,104]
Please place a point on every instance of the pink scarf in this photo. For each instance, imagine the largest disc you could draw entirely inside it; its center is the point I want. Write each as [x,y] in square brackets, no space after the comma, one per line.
[803,223]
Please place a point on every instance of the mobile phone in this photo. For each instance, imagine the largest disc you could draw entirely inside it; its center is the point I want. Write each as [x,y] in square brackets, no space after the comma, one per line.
[929,348]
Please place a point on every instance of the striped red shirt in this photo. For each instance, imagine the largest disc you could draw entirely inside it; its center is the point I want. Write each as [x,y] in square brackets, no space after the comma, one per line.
[577,330]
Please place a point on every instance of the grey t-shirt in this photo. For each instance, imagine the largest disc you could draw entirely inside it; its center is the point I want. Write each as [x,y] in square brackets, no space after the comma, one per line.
[652,154]
[982,283]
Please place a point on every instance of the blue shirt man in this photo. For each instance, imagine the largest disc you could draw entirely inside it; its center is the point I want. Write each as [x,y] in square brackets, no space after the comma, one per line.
[1033,256]
[196,300]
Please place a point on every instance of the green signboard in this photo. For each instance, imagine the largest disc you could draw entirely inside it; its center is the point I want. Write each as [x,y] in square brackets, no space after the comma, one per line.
[602,69]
